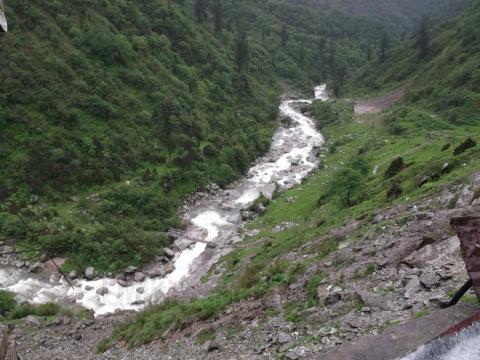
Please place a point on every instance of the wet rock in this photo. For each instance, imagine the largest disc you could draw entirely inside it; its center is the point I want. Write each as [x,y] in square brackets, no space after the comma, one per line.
[211,245]
[72,275]
[169,252]
[140,290]
[88,288]
[20,264]
[169,268]
[122,282]
[138,303]
[131,269]
[89,273]
[102,291]
[139,277]
[35,267]
[429,278]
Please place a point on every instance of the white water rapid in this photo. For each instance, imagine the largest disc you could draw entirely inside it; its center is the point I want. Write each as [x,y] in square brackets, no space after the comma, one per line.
[292,156]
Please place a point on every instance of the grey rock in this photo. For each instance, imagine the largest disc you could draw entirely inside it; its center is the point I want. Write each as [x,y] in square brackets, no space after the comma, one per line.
[88,288]
[169,268]
[283,338]
[211,245]
[372,300]
[89,273]
[465,198]
[139,277]
[35,267]
[297,353]
[140,290]
[429,278]
[169,252]
[412,287]
[33,320]
[122,282]
[102,291]
[131,269]
[72,275]
[261,209]
[332,298]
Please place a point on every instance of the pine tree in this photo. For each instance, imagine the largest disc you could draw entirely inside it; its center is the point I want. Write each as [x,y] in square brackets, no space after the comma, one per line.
[200,10]
[242,50]
[218,15]
[284,37]
[423,40]
[384,45]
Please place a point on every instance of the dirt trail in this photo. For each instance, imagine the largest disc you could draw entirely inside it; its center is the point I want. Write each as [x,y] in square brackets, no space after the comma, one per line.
[376,105]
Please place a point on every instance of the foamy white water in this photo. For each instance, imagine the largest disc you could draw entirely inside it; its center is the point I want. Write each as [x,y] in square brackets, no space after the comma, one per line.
[291,158]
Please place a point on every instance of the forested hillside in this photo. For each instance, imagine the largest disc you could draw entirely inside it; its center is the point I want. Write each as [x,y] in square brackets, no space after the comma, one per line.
[112,111]
[439,65]
[403,16]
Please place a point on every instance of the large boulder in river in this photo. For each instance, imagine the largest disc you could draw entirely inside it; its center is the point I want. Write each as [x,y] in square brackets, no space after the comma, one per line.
[139,277]
[89,273]
[102,291]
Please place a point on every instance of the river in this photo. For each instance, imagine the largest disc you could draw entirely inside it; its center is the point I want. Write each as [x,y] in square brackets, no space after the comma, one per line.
[292,157]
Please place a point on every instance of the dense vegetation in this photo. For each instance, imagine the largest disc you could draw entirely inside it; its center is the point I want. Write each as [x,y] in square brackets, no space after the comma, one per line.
[112,111]
[403,16]
[372,161]
[440,66]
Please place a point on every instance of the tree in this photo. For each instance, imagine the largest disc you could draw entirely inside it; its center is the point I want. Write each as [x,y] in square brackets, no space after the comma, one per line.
[346,186]
[200,10]
[423,40]
[218,15]
[284,37]
[242,50]
[384,45]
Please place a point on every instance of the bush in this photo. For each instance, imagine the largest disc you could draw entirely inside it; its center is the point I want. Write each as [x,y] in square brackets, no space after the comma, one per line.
[394,192]
[346,186]
[395,167]
[467,144]
[7,302]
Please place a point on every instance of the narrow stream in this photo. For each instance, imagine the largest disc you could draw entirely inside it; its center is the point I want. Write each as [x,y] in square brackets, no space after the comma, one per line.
[291,158]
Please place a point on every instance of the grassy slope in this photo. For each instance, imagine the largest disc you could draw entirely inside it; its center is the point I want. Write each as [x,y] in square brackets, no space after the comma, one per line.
[415,130]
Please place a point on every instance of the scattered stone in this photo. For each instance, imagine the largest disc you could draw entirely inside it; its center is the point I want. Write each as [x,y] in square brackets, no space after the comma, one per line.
[213,345]
[138,303]
[88,288]
[283,338]
[89,273]
[465,198]
[412,287]
[140,290]
[211,245]
[429,278]
[332,298]
[297,353]
[72,275]
[139,277]
[102,291]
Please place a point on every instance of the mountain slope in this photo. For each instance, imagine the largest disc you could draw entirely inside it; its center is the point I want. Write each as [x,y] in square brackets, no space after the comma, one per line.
[111,112]
[402,15]
[445,79]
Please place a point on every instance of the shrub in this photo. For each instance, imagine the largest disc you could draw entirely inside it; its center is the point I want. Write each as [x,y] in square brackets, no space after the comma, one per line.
[394,192]
[395,167]
[467,144]
[346,186]
[7,302]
